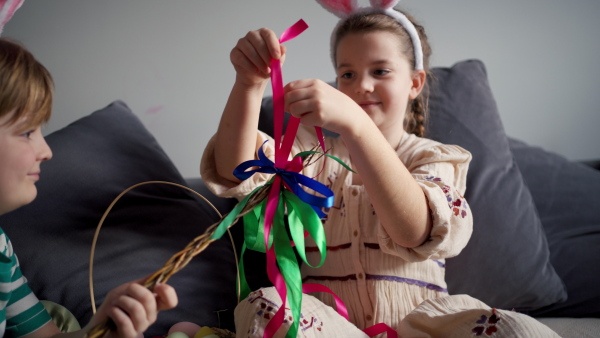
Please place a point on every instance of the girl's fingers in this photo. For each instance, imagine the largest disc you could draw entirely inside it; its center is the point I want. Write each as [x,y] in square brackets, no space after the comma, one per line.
[301,108]
[242,63]
[296,92]
[299,84]
[253,53]
[283,50]
[256,49]
[247,56]
[272,43]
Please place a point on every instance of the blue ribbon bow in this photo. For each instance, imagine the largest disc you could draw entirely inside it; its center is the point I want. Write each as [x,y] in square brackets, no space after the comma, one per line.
[293,181]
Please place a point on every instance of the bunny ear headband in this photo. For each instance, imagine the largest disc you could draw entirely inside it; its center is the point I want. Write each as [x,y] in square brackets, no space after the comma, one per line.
[7,9]
[347,8]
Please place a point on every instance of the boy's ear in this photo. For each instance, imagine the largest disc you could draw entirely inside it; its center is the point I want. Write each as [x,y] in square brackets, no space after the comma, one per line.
[418,82]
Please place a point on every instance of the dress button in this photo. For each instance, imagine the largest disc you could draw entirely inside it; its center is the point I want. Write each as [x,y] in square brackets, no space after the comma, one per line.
[354,192]
[355,233]
[369,318]
[360,275]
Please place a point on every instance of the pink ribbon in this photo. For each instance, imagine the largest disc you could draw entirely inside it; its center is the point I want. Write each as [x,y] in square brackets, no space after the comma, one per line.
[339,304]
[281,161]
[282,151]
[379,329]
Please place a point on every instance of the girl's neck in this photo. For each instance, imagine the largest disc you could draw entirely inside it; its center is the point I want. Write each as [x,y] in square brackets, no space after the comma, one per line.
[394,138]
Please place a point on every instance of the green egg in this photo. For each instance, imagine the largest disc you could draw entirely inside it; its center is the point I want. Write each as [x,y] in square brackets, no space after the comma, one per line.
[177,335]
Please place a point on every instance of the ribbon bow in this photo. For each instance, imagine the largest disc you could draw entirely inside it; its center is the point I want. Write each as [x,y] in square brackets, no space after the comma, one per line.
[292,180]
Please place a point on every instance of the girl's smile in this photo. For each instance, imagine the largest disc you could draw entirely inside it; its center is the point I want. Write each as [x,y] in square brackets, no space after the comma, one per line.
[373,72]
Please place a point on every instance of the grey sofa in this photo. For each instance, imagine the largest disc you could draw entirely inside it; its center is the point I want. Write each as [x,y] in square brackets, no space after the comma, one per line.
[535,244]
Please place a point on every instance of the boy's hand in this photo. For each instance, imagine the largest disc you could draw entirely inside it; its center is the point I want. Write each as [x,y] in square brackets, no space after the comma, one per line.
[133,308]
[252,55]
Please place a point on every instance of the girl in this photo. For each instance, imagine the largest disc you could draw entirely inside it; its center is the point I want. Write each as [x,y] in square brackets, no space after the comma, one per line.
[26,91]
[393,222]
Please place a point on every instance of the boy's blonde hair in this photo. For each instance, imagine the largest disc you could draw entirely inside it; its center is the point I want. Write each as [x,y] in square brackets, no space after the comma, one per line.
[417,110]
[26,86]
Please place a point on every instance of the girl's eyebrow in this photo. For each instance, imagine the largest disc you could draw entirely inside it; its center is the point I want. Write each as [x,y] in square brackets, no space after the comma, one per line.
[381,62]
[374,63]
[343,65]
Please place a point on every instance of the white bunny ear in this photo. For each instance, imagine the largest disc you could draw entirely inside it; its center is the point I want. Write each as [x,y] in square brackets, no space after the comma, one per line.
[340,8]
[383,4]
[7,9]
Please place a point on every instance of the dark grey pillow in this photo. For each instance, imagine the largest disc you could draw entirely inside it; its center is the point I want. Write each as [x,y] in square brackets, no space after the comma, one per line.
[507,262]
[567,197]
[95,159]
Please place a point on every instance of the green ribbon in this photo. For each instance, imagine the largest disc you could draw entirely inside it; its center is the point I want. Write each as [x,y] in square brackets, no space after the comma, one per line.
[300,218]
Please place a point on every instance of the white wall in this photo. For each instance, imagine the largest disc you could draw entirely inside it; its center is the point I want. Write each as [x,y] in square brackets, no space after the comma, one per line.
[169,60]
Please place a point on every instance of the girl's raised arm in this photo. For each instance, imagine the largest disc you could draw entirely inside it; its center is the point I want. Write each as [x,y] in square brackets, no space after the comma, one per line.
[237,138]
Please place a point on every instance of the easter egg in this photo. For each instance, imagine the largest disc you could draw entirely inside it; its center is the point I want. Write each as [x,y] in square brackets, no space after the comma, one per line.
[188,328]
[177,334]
[205,332]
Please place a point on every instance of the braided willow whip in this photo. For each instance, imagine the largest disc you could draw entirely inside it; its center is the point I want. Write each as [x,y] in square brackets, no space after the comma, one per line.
[177,261]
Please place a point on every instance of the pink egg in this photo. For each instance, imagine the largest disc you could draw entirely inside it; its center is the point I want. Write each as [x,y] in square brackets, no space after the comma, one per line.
[186,327]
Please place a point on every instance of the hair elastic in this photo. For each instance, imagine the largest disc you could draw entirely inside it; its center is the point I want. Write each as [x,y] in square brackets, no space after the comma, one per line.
[348,8]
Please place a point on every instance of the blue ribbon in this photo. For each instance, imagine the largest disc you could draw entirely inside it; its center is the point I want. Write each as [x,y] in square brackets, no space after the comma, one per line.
[293,180]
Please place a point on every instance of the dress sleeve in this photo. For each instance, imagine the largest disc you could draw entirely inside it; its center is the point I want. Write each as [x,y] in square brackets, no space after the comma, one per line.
[441,171]
[226,188]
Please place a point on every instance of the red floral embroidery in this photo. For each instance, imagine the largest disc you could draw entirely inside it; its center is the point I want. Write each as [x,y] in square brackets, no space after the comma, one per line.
[266,309]
[459,205]
[487,325]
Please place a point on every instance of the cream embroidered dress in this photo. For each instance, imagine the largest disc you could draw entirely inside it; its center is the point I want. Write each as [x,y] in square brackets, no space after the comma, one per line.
[378,280]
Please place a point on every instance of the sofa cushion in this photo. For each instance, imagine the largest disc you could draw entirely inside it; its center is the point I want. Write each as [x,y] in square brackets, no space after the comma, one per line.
[507,262]
[95,159]
[567,197]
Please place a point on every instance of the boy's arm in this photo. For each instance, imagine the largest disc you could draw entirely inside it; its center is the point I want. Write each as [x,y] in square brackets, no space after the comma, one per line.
[131,306]
[48,330]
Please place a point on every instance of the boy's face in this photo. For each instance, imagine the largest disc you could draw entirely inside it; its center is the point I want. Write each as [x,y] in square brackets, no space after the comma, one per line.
[21,152]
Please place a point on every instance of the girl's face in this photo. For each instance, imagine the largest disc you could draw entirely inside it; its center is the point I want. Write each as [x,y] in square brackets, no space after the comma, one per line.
[373,72]
[21,152]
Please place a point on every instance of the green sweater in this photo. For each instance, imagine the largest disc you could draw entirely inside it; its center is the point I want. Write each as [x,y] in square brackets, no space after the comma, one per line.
[20,310]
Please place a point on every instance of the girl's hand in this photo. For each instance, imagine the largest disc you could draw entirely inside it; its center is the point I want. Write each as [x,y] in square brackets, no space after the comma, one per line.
[252,55]
[317,103]
[133,308]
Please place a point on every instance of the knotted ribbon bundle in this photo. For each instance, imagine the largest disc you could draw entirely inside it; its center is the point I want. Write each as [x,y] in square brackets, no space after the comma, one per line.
[265,226]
